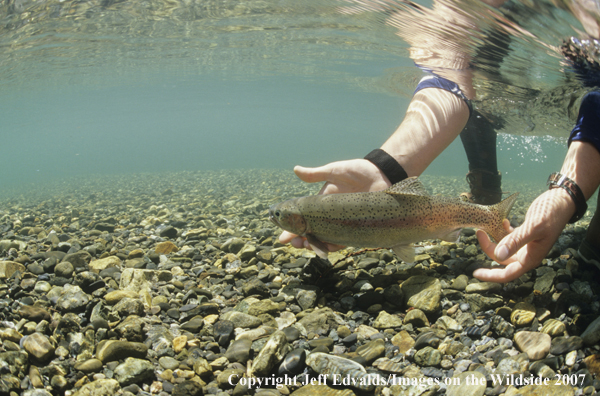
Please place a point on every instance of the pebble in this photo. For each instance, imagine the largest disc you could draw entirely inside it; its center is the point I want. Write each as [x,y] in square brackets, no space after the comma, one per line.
[591,335]
[271,354]
[293,363]
[386,321]
[483,287]
[522,314]
[468,383]
[111,350]
[562,345]
[403,341]
[417,318]
[423,293]
[239,350]
[39,347]
[535,345]
[428,357]
[88,366]
[176,292]
[553,327]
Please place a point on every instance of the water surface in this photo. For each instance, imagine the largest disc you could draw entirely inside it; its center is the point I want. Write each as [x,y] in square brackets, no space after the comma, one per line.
[122,87]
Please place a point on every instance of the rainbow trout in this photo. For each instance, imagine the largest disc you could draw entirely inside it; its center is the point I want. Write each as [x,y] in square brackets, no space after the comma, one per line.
[393,218]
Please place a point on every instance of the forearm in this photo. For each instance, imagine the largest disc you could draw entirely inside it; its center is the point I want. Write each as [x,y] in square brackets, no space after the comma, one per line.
[582,165]
[434,118]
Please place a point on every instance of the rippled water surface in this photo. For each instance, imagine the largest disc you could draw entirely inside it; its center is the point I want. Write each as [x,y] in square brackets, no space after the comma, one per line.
[117,87]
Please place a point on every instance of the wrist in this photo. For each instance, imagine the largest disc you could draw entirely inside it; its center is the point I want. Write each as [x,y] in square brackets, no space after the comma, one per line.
[389,167]
[564,184]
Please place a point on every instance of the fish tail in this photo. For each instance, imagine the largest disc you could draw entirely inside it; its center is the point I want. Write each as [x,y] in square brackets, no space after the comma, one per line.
[500,211]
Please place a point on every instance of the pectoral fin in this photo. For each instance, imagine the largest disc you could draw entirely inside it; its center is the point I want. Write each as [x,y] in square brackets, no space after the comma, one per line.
[405,252]
[317,246]
[451,236]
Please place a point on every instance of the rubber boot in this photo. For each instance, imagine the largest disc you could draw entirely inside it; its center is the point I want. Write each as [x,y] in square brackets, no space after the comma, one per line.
[485,187]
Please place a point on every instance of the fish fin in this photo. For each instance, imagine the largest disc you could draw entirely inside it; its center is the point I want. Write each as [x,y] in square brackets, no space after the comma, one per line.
[405,252]
[411,186]
[501,210]
[317,246]
[451,236]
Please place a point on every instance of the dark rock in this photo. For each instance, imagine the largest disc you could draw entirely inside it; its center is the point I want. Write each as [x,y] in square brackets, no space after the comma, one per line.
[34,314]
[194,325]
[79,259]
[105,227]
[111,350]
[239,351]
[291,333]
[223,331]
[562,345]
[293,363]
[426,339]
[255,287]
[169,232]
[187,388]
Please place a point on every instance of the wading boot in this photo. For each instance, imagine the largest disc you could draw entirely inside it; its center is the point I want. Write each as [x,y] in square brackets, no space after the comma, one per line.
[589,250]
[485,187]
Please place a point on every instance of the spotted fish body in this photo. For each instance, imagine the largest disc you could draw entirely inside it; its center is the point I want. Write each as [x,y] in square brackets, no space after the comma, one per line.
[394,218]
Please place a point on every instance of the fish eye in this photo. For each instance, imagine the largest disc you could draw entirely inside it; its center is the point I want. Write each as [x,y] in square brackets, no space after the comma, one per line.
[277,213]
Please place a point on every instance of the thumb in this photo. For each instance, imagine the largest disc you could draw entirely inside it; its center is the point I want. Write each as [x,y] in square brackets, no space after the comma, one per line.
[312,175]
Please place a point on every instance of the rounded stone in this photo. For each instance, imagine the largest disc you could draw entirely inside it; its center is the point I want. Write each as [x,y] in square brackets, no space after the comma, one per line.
[38,346]
[428,357]
[387,321]
[89,366]
[403,341]
[166,247]
[293,363]
[64,269]
[591,335]
[133,370]
[187,388]
[553,328]
[168,363]
[417,318]
[522,314]
[239,351]
[35,314]
[468,383]
[291,333]
[535,345]
[422,292]
[110,350]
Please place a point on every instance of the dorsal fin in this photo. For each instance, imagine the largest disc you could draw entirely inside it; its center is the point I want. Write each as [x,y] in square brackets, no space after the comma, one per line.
[412,186]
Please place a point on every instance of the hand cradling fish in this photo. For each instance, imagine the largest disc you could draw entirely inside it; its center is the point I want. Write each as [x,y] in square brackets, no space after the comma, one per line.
[394,218]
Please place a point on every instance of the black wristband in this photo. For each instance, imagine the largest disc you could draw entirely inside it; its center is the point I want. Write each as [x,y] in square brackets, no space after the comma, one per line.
[558,180]
[388,165]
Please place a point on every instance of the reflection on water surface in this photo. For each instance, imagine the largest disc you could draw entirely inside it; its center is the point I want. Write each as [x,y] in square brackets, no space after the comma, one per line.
[508,58]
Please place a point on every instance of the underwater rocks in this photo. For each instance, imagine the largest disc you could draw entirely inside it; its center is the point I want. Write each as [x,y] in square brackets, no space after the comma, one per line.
[177,285]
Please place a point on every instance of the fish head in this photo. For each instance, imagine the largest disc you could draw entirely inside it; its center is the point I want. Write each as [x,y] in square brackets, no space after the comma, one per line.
[287,216]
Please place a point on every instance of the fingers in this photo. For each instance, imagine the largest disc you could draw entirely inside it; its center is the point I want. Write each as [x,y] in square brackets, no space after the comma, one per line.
[510,244]
[501,275]
[293,239]
[507,226]
[313,175]
[286,237]
[485,243]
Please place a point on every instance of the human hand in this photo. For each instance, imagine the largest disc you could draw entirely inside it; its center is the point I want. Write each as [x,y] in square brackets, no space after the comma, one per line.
[357,175]
[526,246]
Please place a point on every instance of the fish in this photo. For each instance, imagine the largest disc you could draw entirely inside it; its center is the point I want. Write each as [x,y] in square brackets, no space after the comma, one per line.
[394,218]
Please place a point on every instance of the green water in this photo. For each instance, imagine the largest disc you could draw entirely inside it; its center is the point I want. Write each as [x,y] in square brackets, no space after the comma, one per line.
[120,88]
